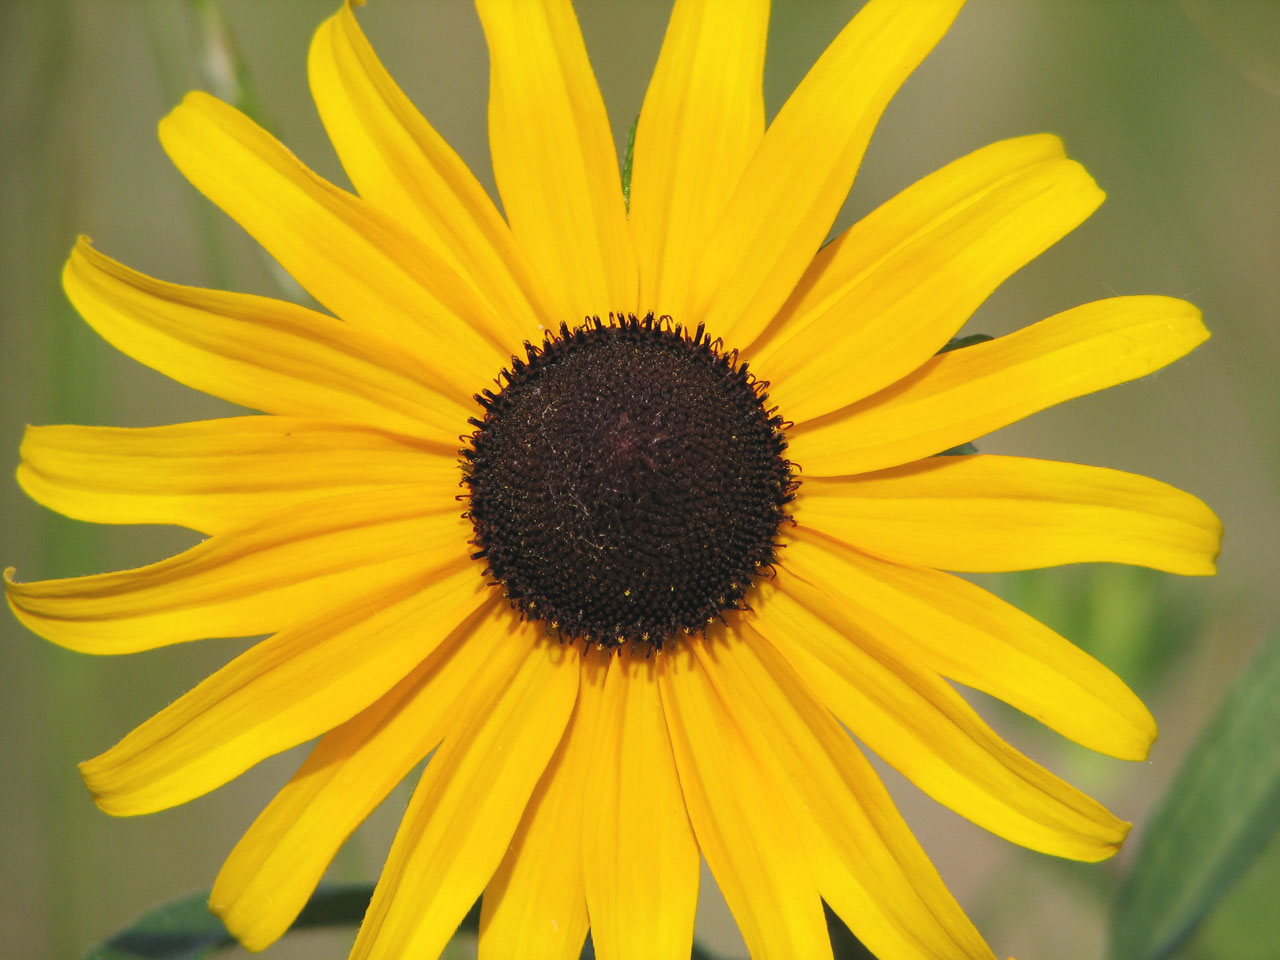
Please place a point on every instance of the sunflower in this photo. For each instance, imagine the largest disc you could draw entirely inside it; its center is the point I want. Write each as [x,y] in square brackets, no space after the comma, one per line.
[697,526]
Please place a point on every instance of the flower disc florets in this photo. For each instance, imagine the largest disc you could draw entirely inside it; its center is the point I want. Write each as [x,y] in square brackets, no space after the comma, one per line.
[627,481]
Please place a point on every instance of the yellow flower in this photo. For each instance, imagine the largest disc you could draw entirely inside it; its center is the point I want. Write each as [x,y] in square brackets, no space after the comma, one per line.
[631,621]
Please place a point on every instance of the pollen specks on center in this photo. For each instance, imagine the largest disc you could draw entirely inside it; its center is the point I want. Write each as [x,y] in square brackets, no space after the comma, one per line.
[627,482]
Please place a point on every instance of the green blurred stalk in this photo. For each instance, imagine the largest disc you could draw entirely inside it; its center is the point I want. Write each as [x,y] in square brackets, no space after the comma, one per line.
[165,35]
[62,392]
[223,68]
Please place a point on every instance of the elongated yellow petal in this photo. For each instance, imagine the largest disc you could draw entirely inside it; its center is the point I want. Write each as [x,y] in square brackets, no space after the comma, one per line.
[956,628]
[536,900]
[642,885]
[792,189]
[963,394]
[400,164]
[985,513]
[281,692]
[254,579]
[277,864]
[743,823]
[358,262]
[891,314]
[893,225]
[702,120]
[867,863]
[213,475]
[554,157]
[273,356]
[922,727]
[469,802]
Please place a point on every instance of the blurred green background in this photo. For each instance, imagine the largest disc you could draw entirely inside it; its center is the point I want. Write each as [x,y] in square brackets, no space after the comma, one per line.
[1173,105]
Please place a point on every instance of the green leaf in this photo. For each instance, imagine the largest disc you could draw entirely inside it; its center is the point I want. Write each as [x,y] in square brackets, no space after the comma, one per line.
[626,163]
[186,930]
[180,930]
[964,450]
[1214,819]
[844,945]
[955,343]
[1245,925]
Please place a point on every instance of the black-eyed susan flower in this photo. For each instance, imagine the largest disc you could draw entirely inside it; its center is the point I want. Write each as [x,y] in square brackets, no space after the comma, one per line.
[697,523]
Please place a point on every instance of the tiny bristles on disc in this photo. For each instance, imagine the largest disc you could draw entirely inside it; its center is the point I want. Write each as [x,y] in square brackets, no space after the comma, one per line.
[627,481]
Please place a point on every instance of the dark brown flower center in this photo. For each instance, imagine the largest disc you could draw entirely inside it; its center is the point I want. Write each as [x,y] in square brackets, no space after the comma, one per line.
[627,481]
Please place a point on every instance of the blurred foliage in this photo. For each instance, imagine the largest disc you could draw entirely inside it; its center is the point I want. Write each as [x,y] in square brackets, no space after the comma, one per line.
[1246,924]
[1142,101]
[1214,819]
[1246,33]
[184,929]
[1139,622]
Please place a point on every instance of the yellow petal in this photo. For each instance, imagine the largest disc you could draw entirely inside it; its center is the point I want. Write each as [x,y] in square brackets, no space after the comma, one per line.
[400,164]
[469,802]
[358,262]
[868,865]
[744,825]
[213,475]
[266,354]
[554,157]
[291,687]
[707,90]
[642,884]
[889,309]
[277,864]
[923,728]
[963,394]
[893,225]
[961,631]
[797,180]
[250,580]
[985,513]
[535,903]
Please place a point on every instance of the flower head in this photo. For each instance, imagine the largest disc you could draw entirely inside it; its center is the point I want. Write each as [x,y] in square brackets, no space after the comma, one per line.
[698,520]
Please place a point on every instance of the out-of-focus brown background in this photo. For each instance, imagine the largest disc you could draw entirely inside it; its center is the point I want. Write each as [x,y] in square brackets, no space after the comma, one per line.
[1173,105]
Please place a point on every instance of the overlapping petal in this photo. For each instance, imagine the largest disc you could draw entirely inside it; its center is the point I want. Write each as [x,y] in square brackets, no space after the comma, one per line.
[266,354]
[922,727]
[642,884]
[989,513]
[790,192]
[283,691]
[868,865]
[469,803]
[743,823]
[702,119]
[275,867]
[537,894]
[399,163]
[357,261]
[250,580]
[956,628]
[891,290]
[213,475]
[573,786]
[554,157]
[891,226]
[963,394]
